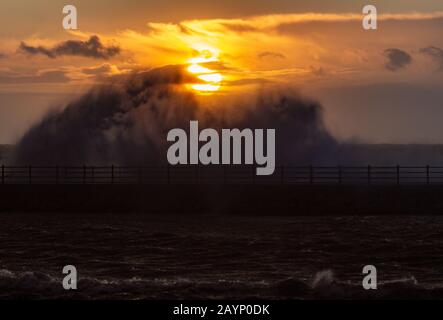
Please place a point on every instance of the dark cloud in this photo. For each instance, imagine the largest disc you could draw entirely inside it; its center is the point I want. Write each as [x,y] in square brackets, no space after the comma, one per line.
[436,53]
[397,59]
[52,76]
[270,54]
[92,48]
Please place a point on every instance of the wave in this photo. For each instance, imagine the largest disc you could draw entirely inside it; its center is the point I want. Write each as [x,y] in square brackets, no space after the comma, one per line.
[324,285]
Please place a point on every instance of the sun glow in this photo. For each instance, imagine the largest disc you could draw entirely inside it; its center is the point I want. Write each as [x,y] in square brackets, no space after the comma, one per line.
[195,68]
[211,79]
[205,87]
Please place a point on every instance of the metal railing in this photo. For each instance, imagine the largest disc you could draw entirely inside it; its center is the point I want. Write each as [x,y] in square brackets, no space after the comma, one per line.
[283,175]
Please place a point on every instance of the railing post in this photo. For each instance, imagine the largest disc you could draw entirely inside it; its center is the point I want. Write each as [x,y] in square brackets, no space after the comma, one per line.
[311,175]
[3,174]
[84,174]
[398,175]
[112,174]
[30,174]
[369,175]
[339,175]
[427,174]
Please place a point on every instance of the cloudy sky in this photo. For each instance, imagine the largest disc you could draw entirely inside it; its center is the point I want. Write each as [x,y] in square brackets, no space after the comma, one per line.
[382,86]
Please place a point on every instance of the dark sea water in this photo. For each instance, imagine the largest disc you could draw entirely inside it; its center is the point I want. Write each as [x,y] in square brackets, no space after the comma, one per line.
[139,256]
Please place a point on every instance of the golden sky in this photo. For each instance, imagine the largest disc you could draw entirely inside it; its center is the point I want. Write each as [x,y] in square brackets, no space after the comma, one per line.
[316,47]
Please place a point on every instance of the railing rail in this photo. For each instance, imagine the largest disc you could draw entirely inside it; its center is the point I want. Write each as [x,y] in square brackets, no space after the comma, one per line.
[284,175]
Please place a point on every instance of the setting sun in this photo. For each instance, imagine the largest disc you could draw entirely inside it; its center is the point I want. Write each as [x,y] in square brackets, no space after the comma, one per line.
[211,79]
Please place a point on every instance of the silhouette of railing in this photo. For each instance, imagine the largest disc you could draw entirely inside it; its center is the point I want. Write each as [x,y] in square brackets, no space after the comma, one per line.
[283,175]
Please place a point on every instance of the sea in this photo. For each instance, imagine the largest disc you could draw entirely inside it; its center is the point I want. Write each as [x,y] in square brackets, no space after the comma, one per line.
[187,257]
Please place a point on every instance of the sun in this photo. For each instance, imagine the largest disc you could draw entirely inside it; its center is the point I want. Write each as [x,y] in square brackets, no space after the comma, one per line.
[211,80]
